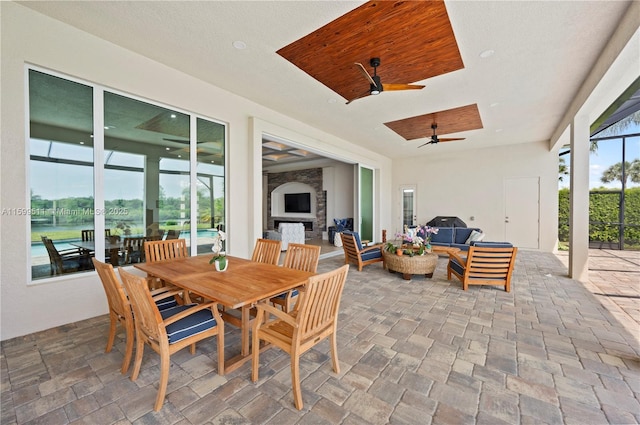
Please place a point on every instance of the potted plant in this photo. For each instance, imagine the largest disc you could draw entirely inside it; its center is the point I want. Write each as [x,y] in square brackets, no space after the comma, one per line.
[219,258]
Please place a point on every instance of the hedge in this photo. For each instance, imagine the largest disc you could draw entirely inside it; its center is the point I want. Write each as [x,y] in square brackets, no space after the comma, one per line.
[604,206]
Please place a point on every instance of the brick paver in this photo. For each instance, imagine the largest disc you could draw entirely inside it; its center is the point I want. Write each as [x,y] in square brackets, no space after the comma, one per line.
[552,351]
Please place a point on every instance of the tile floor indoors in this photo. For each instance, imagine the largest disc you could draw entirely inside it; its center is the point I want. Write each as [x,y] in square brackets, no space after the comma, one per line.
[553,351]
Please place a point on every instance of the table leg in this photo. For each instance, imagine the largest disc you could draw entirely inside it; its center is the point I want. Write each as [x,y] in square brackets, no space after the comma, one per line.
[246,324]
[406,276]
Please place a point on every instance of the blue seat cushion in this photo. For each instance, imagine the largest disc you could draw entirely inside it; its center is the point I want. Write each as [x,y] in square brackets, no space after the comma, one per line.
[370,255]
[193,324]
[294,293]
[459,268]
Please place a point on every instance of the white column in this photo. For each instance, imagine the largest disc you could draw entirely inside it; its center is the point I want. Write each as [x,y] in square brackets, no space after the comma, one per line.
[579,189]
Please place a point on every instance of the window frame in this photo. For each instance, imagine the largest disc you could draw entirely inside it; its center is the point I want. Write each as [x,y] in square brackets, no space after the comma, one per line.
[99,166]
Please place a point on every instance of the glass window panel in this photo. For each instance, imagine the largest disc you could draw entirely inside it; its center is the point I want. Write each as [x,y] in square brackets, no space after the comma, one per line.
[210,182]
[632,194]
[62,198]
[146,174]
[144,198]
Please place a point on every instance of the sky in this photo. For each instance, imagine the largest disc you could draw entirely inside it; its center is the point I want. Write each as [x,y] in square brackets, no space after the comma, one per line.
[50,182]
[609,152]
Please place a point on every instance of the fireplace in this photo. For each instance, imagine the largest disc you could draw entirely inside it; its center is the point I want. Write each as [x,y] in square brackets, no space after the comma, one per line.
[308,225]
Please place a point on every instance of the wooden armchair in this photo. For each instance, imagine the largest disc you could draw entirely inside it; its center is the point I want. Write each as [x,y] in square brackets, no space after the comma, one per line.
[266,251]
[313,319]
[170,330]
[67,260]
[486,263]
[354,252]
[299,257]
[159,250]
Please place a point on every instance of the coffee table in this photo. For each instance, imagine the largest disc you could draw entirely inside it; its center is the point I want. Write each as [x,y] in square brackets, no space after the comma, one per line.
[408,265]
[444,249]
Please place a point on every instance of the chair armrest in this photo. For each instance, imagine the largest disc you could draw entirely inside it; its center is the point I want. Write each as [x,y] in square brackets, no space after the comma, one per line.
[161,294]
[211,305]
[69,252]
[372,248]
[454,256]
[278,313]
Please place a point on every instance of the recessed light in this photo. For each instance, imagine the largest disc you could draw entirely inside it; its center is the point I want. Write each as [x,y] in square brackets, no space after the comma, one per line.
[494,104]
[331,101]
[240,45]
[498,130]
[487,53]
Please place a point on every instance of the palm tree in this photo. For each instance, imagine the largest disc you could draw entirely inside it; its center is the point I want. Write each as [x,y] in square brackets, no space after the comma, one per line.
[631,170]
[563,169]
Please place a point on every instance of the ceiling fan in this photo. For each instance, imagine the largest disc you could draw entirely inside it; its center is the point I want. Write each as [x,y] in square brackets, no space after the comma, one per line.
[435,139]
[375,84]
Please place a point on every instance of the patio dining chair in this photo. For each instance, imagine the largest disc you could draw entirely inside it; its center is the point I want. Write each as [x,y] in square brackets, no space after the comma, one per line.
[120,308]
[169,331]
[266,251]
[314,318]
[299,257]
[159,250]
[67,260]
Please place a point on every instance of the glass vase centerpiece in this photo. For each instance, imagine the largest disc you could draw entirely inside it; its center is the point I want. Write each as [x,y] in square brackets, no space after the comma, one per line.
[219,258]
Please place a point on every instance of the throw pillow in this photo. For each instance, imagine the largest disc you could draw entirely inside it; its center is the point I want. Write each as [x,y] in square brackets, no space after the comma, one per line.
[341,224]
[475,236]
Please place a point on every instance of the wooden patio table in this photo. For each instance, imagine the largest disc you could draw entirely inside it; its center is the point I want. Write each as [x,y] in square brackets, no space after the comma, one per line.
[241,286]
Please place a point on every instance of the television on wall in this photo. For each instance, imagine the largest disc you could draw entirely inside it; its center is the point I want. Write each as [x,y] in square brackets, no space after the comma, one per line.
[297,202]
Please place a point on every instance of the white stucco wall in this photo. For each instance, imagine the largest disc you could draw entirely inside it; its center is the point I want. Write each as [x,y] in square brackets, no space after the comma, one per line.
[31,38]
[470,183]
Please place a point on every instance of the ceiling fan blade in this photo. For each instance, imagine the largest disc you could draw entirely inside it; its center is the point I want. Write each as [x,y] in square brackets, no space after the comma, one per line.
[450,139]
[391,87]
[363,94]
[366,74]
[430,142]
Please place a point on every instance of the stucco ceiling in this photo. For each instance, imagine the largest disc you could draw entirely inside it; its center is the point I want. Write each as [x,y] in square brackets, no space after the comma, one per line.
[523,61]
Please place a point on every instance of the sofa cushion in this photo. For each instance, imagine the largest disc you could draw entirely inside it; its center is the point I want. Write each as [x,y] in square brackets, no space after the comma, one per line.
[462,234]
[492,244]
[475,236]
[445,235]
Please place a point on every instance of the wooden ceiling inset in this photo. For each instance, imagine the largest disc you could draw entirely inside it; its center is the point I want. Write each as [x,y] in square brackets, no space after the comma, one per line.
[449,121]
[413,39]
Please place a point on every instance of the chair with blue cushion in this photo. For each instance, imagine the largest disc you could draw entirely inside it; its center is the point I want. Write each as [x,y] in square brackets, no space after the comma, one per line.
[486,263]
[355,252]
[169,330]
[120,308]
[299,257]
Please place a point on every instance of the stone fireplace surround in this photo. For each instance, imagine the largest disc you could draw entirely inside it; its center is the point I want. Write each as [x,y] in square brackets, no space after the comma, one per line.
[314,224]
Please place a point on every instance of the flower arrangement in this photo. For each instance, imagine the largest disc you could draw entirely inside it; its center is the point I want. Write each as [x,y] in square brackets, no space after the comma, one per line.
[218,254]
[419,237]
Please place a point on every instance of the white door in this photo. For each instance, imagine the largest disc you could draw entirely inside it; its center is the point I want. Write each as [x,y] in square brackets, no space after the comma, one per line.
[522,211]
[408,205]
